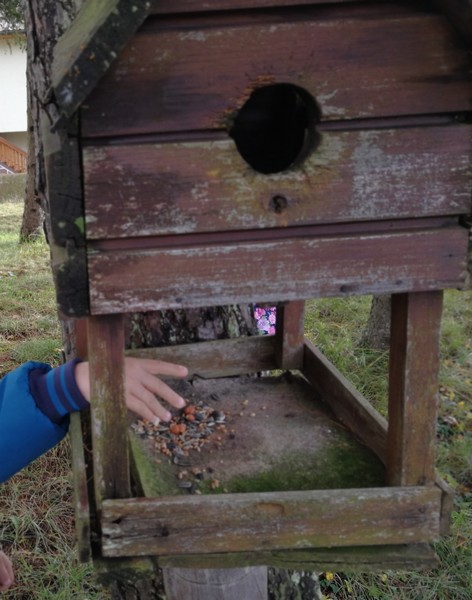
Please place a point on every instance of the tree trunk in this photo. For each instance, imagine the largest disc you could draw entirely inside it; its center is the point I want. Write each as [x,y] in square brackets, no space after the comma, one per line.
[33,215]
[169,327]
[376,334]
[293,585]
[45,20]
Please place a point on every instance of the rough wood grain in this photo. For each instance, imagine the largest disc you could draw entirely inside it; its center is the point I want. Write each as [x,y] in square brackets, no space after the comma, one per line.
[88,47]
[80,490]
[269,521]
[413,388]
[65,218]
[357,559]
[108,409]
[290,334]
[218,358]
[173,188]
[345,401]
[202,275]
[196,77]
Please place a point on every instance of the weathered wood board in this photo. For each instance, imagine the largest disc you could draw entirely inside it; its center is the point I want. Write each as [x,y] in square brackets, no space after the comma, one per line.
[413,393]
[150,278]
[277,435]
[358,559]
[157,189]
[218,358]
[360,63]
[169,6]
[252,522]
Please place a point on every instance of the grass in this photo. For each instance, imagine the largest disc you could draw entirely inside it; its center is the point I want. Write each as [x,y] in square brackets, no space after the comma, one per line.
[36,512]
[36,515]
[336,325]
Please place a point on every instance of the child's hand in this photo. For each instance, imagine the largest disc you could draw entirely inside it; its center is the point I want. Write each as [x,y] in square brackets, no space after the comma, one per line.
[6,572]
[142,386]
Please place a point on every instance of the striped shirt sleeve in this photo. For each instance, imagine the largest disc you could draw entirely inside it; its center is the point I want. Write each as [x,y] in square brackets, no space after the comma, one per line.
[56,392]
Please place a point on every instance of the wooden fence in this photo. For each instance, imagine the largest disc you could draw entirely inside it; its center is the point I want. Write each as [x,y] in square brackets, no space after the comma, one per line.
[12,157]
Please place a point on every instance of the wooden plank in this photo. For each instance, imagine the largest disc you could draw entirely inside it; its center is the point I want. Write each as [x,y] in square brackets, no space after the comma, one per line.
[75,337]
[176,188]
[203,275]
[345,401]
[87,48]
[218,358]
[249,583]
[447,504]
[193,75]
[290,334]
[65,218]
[269,521]
[337,560]
[108,408]
[160,7]
[413,388]
[80,489]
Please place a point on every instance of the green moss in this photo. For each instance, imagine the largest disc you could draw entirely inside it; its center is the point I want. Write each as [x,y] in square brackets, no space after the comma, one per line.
[155,479]
[340,466]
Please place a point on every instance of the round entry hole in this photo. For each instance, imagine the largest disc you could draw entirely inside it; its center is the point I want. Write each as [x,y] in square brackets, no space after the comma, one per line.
[275,129]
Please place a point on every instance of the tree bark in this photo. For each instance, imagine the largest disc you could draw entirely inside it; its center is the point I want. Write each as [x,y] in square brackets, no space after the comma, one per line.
[376,334]
[33,215]
[169,327]
[293,585]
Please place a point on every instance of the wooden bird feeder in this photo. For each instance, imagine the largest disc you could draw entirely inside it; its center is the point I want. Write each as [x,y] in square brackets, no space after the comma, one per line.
[269,151]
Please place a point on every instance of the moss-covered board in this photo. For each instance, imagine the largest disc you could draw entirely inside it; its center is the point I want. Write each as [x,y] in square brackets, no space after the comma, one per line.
[251,434]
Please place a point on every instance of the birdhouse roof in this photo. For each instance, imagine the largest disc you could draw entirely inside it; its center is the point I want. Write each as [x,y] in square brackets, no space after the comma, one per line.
[86,50]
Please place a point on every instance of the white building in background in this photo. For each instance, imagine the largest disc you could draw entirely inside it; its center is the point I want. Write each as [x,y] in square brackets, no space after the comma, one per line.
[13,116]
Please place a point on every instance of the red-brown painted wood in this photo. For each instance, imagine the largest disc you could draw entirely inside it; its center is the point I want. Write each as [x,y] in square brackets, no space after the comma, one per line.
[289,348]
[293,269]
[413,388]
[155,189]
[194,76]
[108,409]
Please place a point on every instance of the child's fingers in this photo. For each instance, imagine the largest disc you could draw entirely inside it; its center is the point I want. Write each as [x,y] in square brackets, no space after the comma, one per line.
[6,572]
[141,398]
[159,388]
[161,367]
[155,413]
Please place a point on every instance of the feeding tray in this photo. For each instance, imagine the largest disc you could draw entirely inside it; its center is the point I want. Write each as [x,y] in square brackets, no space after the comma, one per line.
[277,435]
[293,474]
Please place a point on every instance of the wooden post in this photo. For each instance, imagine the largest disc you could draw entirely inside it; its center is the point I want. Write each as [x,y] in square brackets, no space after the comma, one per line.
[413,388]
[290,335]
[108,409]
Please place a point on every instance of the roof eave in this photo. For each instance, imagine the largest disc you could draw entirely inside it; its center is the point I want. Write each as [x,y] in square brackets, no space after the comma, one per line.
[84,53]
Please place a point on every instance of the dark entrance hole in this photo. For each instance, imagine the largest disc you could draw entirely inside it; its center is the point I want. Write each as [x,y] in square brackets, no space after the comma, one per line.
[276,127]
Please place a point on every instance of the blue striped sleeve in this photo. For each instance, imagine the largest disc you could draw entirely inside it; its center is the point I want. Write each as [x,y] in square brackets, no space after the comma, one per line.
[56,392]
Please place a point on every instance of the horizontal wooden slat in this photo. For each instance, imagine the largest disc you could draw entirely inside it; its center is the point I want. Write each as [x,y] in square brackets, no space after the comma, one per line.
[345,401]
[171,6]
[413,557]
[155,189]
[289,269]
[272,520]
[194,75]
[218,358]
